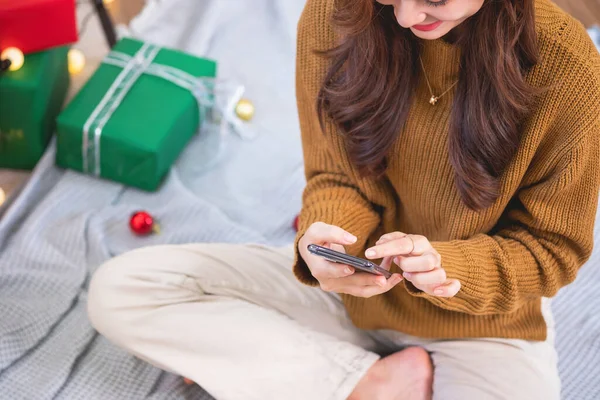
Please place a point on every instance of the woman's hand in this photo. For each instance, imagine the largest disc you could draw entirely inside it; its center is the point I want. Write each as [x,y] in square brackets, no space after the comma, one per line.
[341,278]
[419,261]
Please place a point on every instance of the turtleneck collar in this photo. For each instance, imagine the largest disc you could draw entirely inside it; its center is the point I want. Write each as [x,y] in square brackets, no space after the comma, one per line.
[441,61]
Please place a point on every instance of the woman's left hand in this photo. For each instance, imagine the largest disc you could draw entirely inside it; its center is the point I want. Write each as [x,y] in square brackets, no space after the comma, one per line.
[420,262]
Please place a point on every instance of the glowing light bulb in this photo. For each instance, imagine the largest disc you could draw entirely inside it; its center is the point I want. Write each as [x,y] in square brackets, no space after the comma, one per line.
[76,61]
[245,110]
[16,57]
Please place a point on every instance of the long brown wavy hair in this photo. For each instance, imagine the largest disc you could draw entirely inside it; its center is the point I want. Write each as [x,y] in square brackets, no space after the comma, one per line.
[374,71]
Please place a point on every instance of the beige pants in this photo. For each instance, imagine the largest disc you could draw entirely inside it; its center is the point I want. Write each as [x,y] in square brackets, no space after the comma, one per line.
[235,320]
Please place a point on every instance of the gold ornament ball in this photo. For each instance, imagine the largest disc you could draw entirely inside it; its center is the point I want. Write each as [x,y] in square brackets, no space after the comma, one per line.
[245,109]
[76,61]
[16,57]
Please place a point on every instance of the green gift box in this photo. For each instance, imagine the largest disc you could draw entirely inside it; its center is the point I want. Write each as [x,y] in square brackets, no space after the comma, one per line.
[132,119]
[30,100]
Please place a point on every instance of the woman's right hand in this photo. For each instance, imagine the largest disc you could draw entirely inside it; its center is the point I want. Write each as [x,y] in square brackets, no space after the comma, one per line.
[339,278]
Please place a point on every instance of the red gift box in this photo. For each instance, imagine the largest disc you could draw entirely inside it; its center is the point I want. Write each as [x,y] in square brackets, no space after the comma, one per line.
[36,25]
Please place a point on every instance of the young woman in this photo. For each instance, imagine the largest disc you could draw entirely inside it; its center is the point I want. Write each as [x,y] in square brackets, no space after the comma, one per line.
[456,141]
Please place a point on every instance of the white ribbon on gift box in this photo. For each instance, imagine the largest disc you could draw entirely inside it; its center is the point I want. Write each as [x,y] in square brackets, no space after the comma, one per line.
[205,91]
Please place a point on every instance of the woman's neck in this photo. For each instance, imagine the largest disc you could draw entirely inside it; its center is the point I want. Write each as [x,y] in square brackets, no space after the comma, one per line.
[453,36]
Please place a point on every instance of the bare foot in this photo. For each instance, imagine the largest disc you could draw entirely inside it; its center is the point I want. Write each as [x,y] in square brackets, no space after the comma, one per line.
[405,375]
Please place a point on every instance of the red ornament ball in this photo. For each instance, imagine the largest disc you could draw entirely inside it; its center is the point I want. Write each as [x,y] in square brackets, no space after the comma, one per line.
[142,223]
[296,223]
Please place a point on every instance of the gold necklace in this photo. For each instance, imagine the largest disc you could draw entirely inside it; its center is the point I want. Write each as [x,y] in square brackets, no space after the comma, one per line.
[434,99]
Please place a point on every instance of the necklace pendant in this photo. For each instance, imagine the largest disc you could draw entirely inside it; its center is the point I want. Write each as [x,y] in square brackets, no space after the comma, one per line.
[433,100]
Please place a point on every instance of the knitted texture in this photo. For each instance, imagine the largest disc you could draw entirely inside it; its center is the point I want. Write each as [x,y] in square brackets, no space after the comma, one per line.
[528,245]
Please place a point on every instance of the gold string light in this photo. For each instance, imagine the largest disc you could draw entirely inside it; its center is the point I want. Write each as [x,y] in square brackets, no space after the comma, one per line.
[15,56]
[76,61]
[245,109]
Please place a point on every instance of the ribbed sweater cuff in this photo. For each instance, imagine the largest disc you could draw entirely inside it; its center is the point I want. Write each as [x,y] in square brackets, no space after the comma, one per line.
[300,268]
[359,221]
[458,265]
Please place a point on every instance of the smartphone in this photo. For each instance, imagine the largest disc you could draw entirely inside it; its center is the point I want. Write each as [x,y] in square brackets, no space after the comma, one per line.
[358,263]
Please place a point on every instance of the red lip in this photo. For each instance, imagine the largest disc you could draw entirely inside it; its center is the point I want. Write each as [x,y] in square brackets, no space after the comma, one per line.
[427,28]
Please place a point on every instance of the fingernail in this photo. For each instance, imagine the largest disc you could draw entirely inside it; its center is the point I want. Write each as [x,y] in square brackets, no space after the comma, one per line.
[370,253]
[350,238]
[407,275]
[438,291]
[347,270]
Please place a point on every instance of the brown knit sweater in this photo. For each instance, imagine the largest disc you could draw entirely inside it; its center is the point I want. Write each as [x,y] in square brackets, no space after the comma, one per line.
[525,247]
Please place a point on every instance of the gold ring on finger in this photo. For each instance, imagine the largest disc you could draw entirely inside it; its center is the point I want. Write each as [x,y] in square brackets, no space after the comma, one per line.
[413,245]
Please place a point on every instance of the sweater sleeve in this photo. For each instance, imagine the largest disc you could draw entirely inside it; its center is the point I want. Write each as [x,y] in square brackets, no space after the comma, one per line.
[332,194]
[547,236]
